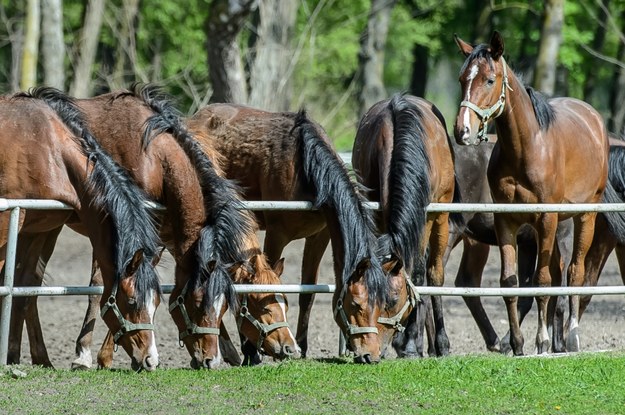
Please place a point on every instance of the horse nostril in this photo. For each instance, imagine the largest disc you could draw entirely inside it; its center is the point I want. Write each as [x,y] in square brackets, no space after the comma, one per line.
[150,363]
[363,358]
[206,363]
[286,350]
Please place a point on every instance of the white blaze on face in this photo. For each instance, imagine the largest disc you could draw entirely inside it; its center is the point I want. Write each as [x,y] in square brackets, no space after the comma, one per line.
[467,97]
[151,309]
[218,305]
[280,300]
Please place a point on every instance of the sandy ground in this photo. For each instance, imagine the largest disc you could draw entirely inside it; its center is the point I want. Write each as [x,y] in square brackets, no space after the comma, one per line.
[602,326]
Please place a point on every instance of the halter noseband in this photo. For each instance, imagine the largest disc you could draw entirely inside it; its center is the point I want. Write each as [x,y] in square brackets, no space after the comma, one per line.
[395,321]
[263,329]
[495,110]
[350,329]
[191,327]
[126,326]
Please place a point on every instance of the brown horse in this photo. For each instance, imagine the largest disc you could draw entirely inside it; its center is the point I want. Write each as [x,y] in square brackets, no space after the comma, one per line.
[547,152]
[403,154]
[286,156]
[54,156]
[213,242]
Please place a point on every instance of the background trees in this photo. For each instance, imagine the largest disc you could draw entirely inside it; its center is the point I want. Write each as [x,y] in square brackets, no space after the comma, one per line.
[334,57]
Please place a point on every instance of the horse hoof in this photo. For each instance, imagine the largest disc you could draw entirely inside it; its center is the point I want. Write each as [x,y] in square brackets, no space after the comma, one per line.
[542,347]
[80,365]
[572,341]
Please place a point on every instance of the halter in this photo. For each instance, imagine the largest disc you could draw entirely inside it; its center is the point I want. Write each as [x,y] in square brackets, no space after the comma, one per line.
[191,327]
[263,329]
[350,329]
[126,326]
[413,299]
[486,114]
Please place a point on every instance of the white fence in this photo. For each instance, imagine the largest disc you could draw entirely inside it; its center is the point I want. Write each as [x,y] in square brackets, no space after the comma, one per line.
[8,291]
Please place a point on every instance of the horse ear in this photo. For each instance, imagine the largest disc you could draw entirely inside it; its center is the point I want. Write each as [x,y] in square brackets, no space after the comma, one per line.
[392,266]
[464,47]
[496,45]
[133,264]
[157,258]
[278,267]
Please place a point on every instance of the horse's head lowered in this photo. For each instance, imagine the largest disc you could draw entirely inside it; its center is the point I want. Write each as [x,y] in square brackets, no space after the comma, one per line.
[262,316]
[483,83]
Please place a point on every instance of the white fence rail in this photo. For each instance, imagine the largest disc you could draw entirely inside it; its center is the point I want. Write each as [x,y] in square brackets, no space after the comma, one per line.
[8,291]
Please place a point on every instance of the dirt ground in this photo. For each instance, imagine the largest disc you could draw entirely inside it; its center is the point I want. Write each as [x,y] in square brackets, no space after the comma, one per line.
[602,327]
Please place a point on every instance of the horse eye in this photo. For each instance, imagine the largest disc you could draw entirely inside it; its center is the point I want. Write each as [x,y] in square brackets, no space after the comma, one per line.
[490,82]
[132,301]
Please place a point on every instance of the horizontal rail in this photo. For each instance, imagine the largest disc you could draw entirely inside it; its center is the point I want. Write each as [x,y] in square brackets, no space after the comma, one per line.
[329,288]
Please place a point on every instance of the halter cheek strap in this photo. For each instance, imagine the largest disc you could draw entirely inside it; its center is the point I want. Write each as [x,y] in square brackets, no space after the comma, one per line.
[349,329]
[495,110]
[413,299]
[126,326]
[263,329]
[191,327]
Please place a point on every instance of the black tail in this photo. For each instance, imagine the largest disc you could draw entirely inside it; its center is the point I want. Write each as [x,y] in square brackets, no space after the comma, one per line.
[135,228]
[615,192]
[326,174]
[229,224]
[456,219]
[409,181]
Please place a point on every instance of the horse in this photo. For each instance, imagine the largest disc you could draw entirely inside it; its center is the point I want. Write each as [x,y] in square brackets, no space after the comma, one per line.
[212,240]
[287,156]
[55,156]
[402,153]
[552,151]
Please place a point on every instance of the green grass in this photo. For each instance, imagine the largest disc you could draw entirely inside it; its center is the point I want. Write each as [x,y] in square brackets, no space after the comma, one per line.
[583,384]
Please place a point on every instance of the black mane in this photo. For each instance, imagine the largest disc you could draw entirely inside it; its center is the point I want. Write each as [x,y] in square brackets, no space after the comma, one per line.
[326,173]
[222,241]
[545,115]
[135,228]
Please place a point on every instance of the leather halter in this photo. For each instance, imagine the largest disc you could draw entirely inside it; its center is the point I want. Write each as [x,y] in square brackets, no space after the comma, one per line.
[263,329]
[191,327]
[495,110]
[413,299]
[350,329]
[126,326]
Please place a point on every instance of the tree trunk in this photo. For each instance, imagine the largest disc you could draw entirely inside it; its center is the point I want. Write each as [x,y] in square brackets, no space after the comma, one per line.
[52,44]
[87,48]
[270,70]
[616,121]
[550,39]
[225,68]
[371,57]
[31,45]
[418,80]
[597,45]
[126,53]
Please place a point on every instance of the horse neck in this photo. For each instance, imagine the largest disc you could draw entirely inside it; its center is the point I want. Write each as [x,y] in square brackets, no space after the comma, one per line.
[517,125]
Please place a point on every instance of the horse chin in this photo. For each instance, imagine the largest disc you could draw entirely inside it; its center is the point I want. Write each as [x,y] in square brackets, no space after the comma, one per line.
[282,351]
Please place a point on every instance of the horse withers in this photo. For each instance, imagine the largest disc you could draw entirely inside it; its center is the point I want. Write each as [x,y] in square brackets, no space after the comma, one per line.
[548,151]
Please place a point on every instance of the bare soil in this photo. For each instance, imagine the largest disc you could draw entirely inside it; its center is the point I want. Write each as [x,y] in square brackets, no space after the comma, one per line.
[602,327]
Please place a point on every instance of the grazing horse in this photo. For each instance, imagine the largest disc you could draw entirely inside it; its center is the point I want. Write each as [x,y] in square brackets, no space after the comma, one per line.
[547,152]
[212,241]
[403,154]
[287,156]
[53,155]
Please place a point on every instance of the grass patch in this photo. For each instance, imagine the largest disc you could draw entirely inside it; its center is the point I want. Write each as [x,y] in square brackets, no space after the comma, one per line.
[583,384]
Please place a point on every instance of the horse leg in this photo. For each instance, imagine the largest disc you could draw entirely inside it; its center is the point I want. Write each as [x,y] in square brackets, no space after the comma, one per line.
[83,342]
[439,234]
[555,311]
[409,343]
[506,237]
[584,231]
[564,250]
[105,354]
[546,228]
[314,248]
[474,258]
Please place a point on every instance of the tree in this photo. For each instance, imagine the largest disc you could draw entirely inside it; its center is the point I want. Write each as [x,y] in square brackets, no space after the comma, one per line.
[31,45]
[371,57]
[550,39]
[223,25]
[52,44]
[87,48]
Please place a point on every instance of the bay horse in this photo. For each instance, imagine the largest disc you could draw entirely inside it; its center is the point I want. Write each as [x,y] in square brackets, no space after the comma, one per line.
[212,241]
[403,154]
[53,155]
[287,156]
[547,152]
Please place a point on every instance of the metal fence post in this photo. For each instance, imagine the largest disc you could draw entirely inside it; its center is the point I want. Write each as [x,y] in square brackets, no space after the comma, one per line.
[9,269]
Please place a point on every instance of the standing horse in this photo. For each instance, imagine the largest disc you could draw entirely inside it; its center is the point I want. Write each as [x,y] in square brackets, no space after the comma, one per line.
[547,152]
[54,156]
[403,154]
[213,241]
[286,156]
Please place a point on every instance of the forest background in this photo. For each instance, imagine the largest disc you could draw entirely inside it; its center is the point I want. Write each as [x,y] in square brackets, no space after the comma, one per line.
[336,58]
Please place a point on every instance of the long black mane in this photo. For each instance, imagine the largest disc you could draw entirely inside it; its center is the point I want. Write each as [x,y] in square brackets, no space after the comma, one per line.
[409,180]
[326,174]
[222,240]
[118,195]
[615,191]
